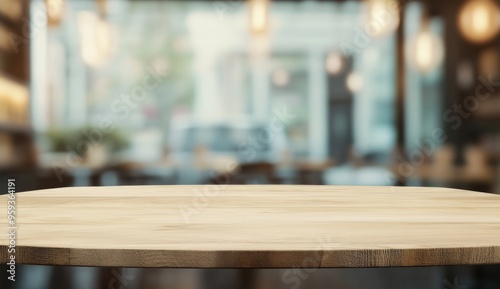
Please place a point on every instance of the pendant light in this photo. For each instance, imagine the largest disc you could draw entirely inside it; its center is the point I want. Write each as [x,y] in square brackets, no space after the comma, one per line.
[383,17]
[426,49]
[479,20]
[97,36]
[334,63]
[259,16]
[55,9]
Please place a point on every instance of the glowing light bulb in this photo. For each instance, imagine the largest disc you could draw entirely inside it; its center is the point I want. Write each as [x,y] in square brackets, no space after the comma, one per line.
[334,63]
[354,82]
[428,51]
[479,20]
[96,38]
[259,16]
[54,11]
[383,17]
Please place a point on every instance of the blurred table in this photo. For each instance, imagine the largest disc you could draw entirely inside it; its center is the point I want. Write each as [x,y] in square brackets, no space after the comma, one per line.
[179,169]
[309,172]
[254,227]
[447,174]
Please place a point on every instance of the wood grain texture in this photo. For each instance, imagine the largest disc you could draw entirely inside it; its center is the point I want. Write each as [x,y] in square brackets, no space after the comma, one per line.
[255,227]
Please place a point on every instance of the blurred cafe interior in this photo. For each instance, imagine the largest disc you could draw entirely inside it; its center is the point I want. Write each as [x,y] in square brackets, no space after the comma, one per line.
[339,92]
[130,92]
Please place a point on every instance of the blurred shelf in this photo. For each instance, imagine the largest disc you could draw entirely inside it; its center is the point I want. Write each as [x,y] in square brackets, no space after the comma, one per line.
[6,45]
[7,21]
[11,168]
[493,116]
[489,110]
[15,128]
[5,53]
[12,11]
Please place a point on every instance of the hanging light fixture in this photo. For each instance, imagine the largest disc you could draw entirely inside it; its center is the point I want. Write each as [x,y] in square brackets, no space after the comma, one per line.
[54,11]
[479,20]
[334,63]
[87,23]
[426,50]
[383,17]
[354,82]
[259,16]
[97,36]
[96,39]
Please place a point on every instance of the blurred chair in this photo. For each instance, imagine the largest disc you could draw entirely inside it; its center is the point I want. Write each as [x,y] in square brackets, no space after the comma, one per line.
[311,172]
[477,173]
[476,161]
[131,173]
[258,173]
[251,173]
[443,159]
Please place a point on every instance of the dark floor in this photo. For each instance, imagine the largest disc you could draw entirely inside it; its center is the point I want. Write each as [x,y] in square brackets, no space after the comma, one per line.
[456,277]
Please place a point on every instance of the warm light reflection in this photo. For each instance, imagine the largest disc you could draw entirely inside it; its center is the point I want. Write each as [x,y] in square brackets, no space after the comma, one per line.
[479,20]
[13,102]
[5,40]
[281,77]
[428,51]
[425,54]
[103,36]
[334,63]
[54,11]
[488,62]
[383,17]
[354,82]
[96,39]
[259,16]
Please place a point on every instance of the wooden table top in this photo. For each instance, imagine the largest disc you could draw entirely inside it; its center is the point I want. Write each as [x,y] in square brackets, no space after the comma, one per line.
[254,227]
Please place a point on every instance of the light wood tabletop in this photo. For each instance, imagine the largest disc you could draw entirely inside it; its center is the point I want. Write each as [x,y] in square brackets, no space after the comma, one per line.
[254,227]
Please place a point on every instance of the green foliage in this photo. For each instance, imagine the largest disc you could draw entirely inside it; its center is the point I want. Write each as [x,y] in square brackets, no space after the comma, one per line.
[78,140]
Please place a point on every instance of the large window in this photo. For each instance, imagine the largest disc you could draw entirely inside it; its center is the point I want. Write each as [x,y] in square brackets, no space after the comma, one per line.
[154,67]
